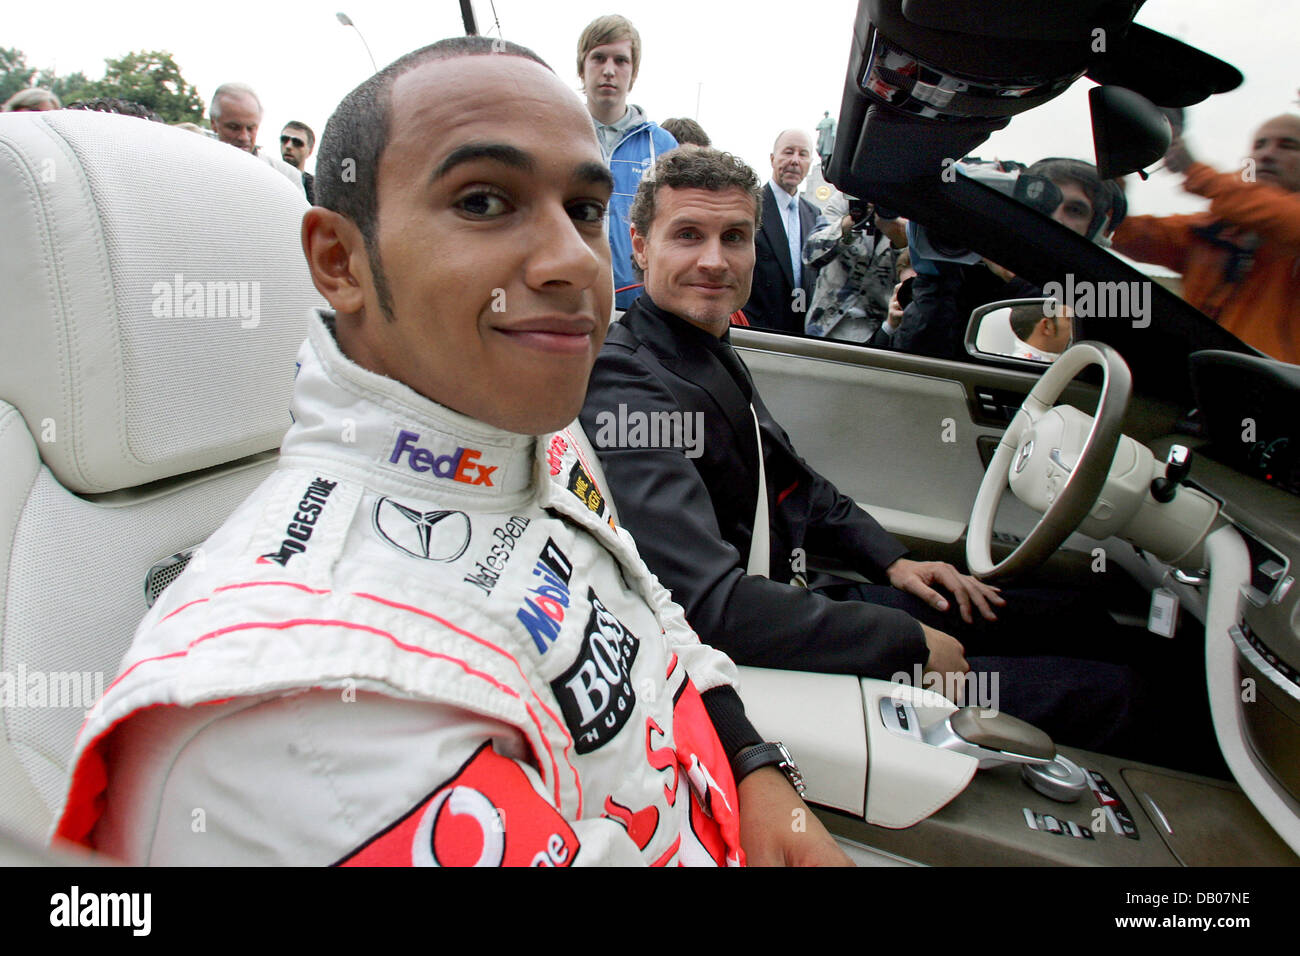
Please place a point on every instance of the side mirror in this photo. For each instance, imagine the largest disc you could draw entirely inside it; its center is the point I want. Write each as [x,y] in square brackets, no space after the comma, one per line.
[1129,132]
[1032,330]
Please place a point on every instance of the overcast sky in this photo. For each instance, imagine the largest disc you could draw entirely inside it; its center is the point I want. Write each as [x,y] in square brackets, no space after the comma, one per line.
[752,73]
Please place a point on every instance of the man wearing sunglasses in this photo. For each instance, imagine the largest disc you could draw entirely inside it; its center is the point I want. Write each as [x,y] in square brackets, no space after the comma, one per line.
[297,142]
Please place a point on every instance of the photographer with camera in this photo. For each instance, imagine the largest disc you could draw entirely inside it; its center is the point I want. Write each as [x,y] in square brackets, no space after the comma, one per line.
[855,247]
[952,282]
[898,301]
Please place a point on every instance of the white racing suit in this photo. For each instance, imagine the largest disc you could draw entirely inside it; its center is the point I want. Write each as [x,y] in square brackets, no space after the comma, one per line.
[421,640]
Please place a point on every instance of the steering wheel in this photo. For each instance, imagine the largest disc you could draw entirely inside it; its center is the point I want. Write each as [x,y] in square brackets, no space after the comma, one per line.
[1055,459]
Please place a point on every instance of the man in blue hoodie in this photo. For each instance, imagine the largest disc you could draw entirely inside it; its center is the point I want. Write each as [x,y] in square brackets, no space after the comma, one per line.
[609,56]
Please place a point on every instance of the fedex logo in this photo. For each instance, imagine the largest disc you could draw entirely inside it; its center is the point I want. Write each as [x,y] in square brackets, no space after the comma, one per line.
[461,466]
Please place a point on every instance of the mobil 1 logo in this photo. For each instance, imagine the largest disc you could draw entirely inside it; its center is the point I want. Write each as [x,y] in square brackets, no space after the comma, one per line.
[595,693]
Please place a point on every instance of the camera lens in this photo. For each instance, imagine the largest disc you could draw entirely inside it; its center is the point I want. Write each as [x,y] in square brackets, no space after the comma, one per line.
[905,292]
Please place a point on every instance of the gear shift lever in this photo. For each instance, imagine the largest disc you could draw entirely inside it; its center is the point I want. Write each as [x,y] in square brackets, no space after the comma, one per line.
[994,739]
[991,737]
[1177,465]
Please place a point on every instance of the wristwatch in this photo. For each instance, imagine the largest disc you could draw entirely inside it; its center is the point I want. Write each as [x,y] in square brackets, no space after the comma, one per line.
[766,755]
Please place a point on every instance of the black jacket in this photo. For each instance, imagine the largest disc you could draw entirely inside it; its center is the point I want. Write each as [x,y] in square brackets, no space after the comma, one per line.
[772,304]
[692,517]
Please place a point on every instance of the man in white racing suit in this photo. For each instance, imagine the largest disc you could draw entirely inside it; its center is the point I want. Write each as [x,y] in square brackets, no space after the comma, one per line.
[423,640]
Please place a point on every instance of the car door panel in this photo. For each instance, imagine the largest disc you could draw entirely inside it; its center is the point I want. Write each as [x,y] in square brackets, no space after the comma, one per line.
[900,437]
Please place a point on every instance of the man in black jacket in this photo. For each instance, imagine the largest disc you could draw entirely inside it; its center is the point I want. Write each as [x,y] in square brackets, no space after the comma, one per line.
[675,418]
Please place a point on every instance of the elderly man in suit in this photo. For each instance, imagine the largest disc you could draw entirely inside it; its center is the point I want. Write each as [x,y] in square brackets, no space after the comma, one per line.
[783,285]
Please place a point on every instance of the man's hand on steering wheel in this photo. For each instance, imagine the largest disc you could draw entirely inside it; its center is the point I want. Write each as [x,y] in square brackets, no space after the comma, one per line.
[916,577]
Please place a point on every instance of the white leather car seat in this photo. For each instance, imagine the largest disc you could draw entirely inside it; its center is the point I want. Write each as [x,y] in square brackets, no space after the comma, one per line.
[153,294]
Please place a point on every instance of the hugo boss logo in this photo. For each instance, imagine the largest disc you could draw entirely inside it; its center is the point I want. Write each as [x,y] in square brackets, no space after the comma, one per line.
[595,693]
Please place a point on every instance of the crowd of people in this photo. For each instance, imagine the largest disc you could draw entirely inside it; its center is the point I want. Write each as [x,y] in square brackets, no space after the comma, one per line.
[554,680]
[1239,260]
[235,116]
[830,268]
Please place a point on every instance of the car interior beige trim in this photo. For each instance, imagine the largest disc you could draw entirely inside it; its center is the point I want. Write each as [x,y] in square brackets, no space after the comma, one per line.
[798,709]
[909,779]
[1229,564]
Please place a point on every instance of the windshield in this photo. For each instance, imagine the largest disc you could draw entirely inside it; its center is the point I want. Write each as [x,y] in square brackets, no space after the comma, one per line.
[1213,224]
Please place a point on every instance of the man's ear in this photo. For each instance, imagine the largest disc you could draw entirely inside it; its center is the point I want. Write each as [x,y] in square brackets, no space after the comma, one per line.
[336,256]
[638,249]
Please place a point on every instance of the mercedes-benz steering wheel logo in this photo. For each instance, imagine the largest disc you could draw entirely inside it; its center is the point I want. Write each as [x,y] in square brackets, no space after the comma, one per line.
[433,535]
[1022,458]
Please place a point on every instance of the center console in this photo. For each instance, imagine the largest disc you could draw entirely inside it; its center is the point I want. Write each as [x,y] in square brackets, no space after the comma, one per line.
[1132,815]
[905,776]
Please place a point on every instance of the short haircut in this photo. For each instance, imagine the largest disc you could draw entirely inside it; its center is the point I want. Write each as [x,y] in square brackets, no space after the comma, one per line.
[1025,318]
[1107,197]
[1291,118]
[609,29]
[347,165]
[311,137]
[29,99]
[686,131]
[794,129]
[699,168]
[112,104]
[231,89]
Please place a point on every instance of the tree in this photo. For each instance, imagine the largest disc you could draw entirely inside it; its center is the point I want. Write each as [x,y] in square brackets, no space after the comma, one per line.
[150,78]
[15,74]
[70,88]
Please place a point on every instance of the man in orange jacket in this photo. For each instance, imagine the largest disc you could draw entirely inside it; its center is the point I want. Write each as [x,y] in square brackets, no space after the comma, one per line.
[1240,260]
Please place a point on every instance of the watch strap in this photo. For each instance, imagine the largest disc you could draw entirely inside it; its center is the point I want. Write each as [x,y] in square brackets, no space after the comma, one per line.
[767,755]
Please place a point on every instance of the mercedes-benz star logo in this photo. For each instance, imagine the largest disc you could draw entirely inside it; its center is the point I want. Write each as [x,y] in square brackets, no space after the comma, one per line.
[433,535]
[1022,458]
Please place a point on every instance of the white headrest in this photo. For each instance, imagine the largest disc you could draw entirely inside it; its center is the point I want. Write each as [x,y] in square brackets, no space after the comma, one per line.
[154,296]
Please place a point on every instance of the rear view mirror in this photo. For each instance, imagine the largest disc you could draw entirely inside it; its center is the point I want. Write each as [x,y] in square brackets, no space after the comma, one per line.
[1129,132]
[1033,330]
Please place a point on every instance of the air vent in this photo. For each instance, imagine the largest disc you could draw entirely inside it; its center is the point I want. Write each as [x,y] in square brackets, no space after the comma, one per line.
[1269,580]
[164,573]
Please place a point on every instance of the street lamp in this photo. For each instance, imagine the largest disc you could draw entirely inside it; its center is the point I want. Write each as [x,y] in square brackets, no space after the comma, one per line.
[347,22]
